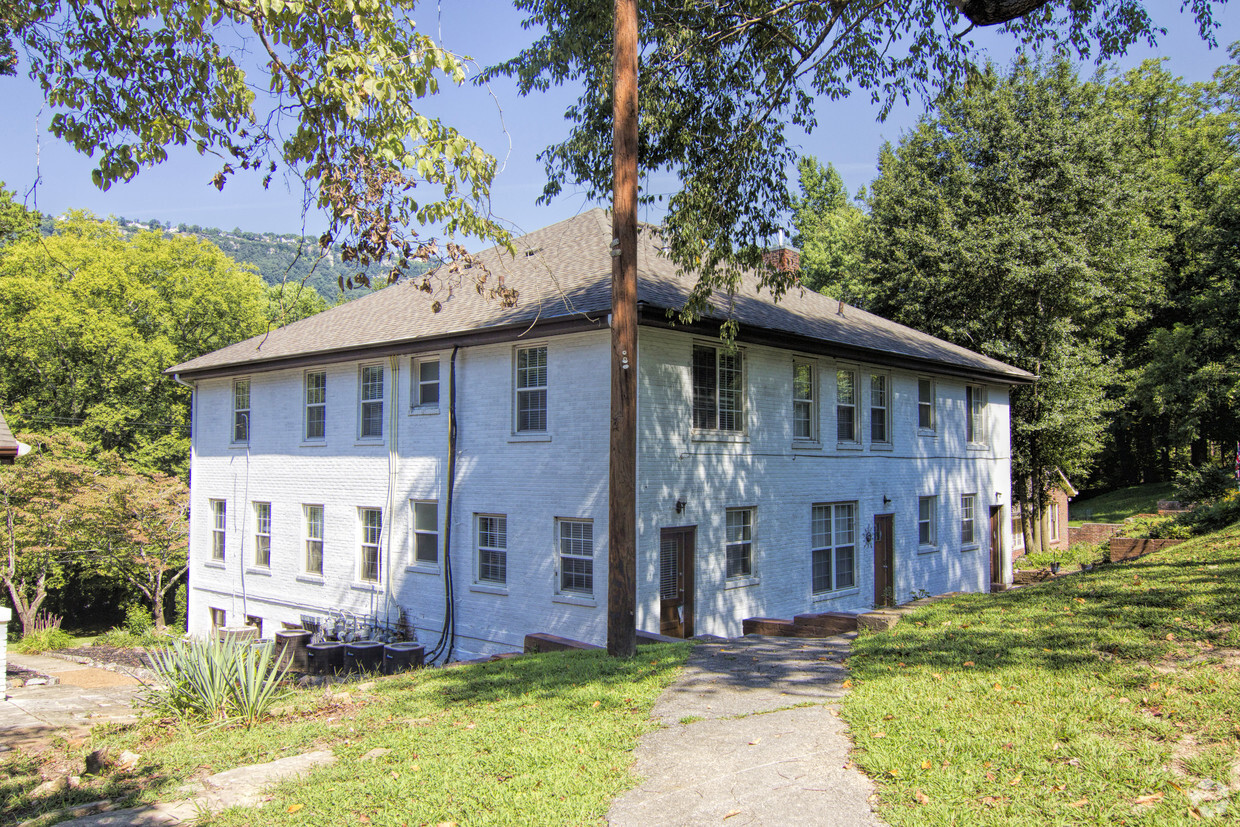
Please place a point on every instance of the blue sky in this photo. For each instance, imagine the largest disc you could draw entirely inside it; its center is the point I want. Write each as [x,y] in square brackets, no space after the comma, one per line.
[512,128]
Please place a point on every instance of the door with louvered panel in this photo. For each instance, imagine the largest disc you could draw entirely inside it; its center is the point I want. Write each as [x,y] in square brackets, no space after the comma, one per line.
[676,582]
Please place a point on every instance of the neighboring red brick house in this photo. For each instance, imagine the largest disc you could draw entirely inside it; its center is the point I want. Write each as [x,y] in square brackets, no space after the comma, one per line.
[8,444]
[1054,521]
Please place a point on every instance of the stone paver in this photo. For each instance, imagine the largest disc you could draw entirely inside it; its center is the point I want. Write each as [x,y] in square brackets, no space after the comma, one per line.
[761,744]
[30,716]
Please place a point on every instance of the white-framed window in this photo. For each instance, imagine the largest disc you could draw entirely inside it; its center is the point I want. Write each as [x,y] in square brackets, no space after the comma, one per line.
[241,411]
[1018,533]
[370,564]
[576,549]
[975,414]
[262,534]
[968,513]
[531,389]
[314,539]
[219,529]
[925,404]
[738,553]
[492,548]
[219,618]
[256,622]
[927,521]
[846,405]
[316,405]
[1053,514]
[718,389]
[425,532]
[804,402]
[370,414]
[833,537]
[424,371]
[880,409]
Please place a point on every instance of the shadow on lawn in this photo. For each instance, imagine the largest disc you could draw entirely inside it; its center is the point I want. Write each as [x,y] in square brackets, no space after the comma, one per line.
[1086,621]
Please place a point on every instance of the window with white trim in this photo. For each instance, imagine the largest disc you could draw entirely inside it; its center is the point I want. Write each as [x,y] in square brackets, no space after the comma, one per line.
[219,529]
[738,554]
[425,382]
[925,404]
[927,521]
[718,389]
[846,405]
[371,520]
[531,389]
[880,409]
[968,506]
[241,411]
[576,540]
[262,534]
[1018,533]
[804,403]
[425,532]
[314,539]
[493,549]
[371,402]
[316,405]
[219,619]
[833,537]
[975,414]
[1053,513]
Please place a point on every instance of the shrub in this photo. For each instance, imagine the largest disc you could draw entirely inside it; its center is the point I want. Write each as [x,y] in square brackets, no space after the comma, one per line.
[1076,555]
[180,607]
[1211,516]
[124,639]
[1204,484]
[44,640]
[212,681]
[137,619]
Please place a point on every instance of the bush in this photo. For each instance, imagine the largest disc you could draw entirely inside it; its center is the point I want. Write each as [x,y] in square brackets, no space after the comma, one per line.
[212,681]
[138,620]
[1212,516]
[180,607]
[1205,483]
[44,640]
[125,639]
[1077,554]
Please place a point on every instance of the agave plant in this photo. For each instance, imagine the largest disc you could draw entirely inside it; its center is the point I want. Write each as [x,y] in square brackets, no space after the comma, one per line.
[213,681]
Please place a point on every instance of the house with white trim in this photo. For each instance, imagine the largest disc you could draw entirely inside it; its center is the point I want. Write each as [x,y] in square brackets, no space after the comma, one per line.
[440,461]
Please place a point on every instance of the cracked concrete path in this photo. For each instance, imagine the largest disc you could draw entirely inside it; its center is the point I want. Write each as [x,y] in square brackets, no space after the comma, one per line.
[751,735]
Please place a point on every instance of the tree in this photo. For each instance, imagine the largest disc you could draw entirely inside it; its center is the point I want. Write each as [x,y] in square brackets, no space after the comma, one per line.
[130,80]
[136,527]
[88,322]
[828,231]
[721,84]
[1014,220]
[37,495]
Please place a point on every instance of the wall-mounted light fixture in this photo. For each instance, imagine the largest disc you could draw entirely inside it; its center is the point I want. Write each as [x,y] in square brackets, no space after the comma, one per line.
[680,506]
[886,500]
[998,496]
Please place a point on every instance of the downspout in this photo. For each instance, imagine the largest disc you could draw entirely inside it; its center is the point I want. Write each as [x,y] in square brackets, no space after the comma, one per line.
[447,636]
[193,452]
[393,458]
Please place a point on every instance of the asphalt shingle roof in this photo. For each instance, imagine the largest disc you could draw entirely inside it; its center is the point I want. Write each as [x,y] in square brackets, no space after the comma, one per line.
[563,272]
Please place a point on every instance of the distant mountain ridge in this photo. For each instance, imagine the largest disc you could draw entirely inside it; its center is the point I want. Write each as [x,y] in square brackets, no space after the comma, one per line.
[276,256]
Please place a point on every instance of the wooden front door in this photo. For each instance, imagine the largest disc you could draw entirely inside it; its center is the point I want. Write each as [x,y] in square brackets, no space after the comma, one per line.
[676,582]
[884,560]
[996,549]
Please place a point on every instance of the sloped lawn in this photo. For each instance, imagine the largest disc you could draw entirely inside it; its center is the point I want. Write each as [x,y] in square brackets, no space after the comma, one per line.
[541,739]
[1120,504]
[1107,696]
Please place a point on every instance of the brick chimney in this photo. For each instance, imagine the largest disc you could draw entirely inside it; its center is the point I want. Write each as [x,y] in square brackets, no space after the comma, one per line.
[784,258]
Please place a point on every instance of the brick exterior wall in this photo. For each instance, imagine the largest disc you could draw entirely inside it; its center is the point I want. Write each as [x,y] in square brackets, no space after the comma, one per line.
[563,474]
[1124,548]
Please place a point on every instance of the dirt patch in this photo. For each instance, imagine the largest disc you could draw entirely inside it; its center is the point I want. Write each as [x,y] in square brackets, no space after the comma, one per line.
[108,656]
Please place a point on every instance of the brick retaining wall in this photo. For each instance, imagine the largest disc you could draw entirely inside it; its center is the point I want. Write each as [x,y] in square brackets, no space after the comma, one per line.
[1124,548]
[1093,532]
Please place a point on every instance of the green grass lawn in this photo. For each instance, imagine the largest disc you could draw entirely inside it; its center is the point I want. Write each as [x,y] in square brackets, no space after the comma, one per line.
[1116,506]
[1102,697]
[541,739]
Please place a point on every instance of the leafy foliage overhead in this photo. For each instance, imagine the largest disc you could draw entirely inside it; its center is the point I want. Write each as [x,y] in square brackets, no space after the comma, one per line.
[722,83]
[340,81]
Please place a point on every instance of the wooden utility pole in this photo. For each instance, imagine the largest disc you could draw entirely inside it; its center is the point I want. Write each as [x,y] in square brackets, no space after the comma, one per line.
[622,474]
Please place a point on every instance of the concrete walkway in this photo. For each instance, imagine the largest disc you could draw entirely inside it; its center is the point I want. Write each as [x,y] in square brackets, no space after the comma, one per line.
[751,735]
[31,716]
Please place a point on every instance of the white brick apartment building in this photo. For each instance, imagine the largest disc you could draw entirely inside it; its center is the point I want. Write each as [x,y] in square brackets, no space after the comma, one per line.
[833,461]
